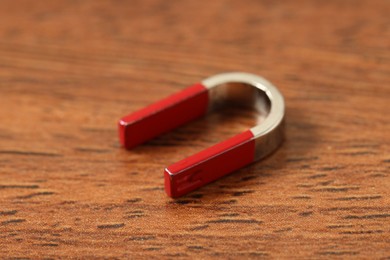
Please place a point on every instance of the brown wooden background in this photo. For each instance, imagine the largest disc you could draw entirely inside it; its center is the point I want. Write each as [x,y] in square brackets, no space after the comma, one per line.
[70,69]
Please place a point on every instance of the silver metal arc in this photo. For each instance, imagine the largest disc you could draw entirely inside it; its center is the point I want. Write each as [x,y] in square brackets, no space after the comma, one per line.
[253,90]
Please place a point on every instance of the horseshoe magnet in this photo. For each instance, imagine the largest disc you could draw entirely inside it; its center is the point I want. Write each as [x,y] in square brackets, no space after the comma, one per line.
[195,101]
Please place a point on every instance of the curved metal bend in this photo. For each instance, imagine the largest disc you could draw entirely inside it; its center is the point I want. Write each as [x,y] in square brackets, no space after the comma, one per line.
[246,88]
[195,101]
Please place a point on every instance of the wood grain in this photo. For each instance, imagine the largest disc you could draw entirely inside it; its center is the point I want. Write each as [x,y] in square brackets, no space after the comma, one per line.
[70,69]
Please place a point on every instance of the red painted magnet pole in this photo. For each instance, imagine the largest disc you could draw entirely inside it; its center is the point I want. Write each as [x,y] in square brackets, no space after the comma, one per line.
[163,116]
[209,165]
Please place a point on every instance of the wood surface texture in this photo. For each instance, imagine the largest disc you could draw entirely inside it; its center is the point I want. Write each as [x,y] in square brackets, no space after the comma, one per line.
[70,69]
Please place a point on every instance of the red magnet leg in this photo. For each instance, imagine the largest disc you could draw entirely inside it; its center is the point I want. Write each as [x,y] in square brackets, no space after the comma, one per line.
[210,164]
[163,116]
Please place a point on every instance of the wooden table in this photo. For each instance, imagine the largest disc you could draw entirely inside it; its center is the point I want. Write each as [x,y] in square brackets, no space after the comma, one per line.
[70,70]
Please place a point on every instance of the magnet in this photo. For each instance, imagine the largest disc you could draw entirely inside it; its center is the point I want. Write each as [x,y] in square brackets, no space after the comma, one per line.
[195,101]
